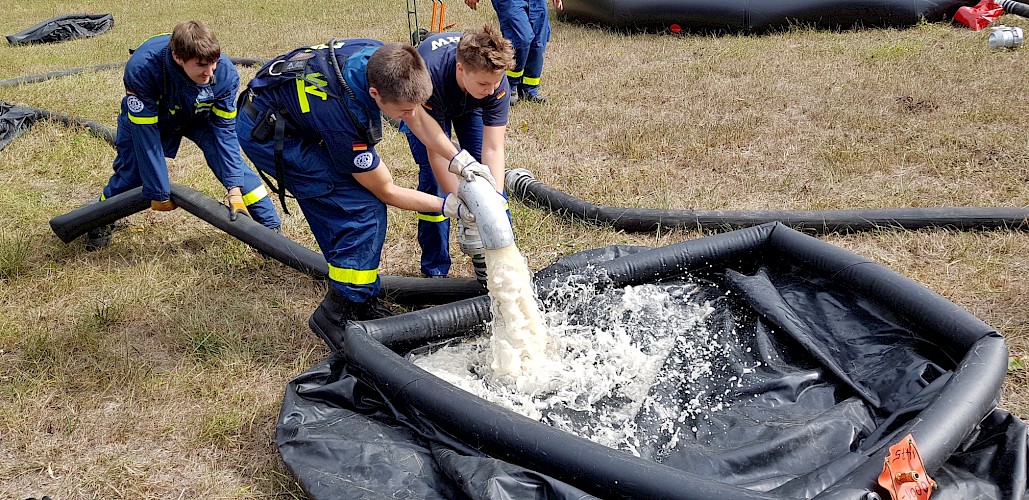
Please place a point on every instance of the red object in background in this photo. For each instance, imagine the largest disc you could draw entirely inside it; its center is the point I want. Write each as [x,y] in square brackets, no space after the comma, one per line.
[675,28]
[980,16]
[904,473]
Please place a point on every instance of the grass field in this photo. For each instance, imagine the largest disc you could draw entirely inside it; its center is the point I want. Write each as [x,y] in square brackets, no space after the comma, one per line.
[155,367]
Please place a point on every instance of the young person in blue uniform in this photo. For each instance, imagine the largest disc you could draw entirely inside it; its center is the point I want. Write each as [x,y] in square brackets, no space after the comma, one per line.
[527,25]
[181,85]
[471,97]
[311,119]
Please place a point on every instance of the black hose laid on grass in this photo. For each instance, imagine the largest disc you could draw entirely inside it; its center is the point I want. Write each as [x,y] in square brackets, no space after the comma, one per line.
[396,289]
[1013,7]
[522,185]
[10,82]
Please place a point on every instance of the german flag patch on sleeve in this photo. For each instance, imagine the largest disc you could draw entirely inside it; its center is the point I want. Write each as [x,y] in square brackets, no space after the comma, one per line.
[360,146]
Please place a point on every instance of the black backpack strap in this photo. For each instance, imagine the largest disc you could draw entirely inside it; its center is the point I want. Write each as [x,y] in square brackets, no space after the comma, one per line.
[279,138]
[372,134]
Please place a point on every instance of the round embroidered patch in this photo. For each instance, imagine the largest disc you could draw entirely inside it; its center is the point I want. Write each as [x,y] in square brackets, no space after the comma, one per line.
[363,160]
[134,104]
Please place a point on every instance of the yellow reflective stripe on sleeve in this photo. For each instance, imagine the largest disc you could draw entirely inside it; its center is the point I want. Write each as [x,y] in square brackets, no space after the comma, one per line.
[228,115]
[352,276]
[515,74]
[530,81]
[431,218]
[256,195]
[142,120]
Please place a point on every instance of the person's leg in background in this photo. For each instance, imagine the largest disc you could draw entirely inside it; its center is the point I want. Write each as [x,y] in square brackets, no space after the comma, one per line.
[513,17]
[528,90]
[433,227]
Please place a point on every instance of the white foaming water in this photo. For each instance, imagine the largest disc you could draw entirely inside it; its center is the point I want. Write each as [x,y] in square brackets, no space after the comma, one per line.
[589,364]
[519,338]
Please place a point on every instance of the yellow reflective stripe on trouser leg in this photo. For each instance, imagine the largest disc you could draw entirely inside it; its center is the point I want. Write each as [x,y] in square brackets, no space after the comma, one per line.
[228,115]
[352,276]
[431,218]
[255,196]
[530,81]
[515,74]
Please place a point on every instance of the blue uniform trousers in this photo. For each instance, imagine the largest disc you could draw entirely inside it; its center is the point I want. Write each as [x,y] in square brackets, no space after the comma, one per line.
[347,220]
[433,227]
[127,175]
[526,24]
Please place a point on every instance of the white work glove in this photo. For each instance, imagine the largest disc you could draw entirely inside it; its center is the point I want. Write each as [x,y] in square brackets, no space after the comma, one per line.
[465,166]
[455,208]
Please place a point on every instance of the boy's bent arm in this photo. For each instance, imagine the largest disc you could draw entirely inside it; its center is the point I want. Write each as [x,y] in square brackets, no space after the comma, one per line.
[438,147]
[493,153]
[380,182]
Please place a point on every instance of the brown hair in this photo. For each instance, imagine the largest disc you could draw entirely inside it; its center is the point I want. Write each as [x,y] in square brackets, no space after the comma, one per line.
[398,72]
[485,50]
[194,40]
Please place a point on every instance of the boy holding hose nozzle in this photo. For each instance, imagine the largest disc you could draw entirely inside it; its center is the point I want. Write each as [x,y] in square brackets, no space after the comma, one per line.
[471,97]
[311,119]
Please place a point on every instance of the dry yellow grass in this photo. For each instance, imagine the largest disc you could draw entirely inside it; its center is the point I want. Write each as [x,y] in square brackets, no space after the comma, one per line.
[155,368]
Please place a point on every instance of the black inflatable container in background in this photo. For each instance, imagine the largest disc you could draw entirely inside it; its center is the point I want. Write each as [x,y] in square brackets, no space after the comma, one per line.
[756,16]
[854,357]
[61,28]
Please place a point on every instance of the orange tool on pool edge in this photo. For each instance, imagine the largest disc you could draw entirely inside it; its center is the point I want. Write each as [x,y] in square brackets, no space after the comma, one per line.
[904,473]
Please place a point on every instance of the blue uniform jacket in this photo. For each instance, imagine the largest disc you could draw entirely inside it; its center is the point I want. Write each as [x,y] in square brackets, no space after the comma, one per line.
[448,100]
[316,106]
[162,102]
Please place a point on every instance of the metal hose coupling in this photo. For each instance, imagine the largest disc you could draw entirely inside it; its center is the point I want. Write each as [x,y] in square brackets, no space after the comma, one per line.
[1005,37]
[495,229]
[517,180]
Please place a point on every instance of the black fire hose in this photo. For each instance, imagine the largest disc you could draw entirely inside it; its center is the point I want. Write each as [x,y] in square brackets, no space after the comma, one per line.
[396,289]
[10,82]
[1013,7]
[522,185]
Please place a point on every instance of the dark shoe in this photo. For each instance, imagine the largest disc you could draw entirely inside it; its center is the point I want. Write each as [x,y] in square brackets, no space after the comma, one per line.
[330,319]
[372,309]
[514,98]
[534,98]
[99,238]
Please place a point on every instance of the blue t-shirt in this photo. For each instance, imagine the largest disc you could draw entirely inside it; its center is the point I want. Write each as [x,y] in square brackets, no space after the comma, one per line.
[448,100]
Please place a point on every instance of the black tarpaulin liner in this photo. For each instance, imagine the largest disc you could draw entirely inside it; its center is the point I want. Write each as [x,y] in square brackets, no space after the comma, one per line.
[61,28]
[853,357]
[14,121]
